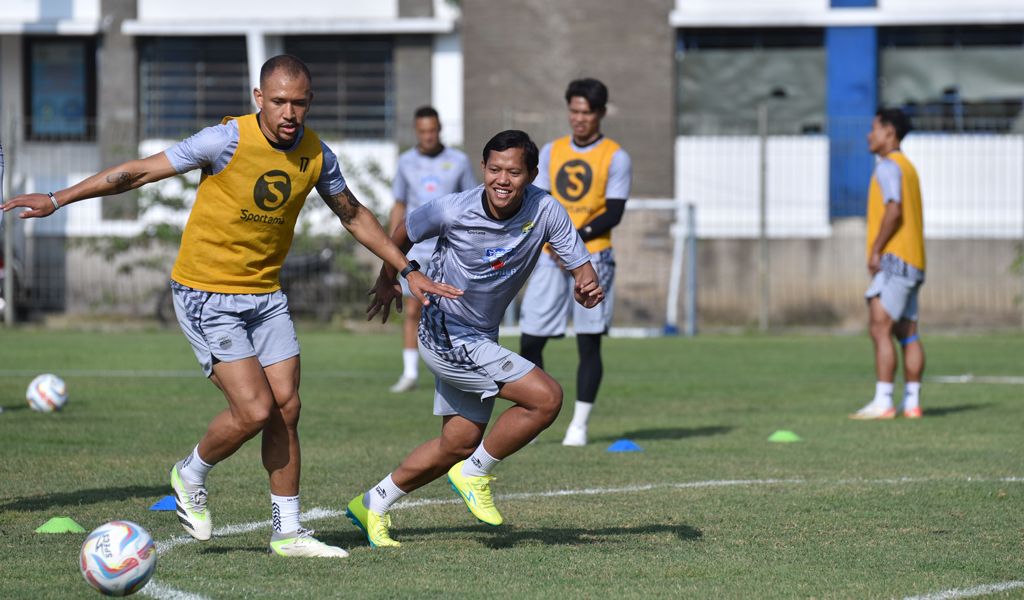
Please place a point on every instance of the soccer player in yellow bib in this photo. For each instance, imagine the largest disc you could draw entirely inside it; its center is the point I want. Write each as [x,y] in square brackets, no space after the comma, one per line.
[896,262]
[590,175]
[257,171]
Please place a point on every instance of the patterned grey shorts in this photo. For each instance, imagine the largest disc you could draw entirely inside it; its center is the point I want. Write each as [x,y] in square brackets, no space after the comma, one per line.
[467,377]
[230,327]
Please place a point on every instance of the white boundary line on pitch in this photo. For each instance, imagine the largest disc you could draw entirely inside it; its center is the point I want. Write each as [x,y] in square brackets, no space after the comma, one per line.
[164,592]
[981,590]
[972,378]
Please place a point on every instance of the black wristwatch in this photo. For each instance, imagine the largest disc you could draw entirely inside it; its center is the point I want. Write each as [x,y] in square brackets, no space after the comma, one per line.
[413,266]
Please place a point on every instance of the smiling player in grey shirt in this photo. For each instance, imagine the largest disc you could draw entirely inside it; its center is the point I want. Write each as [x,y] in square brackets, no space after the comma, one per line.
[489,240]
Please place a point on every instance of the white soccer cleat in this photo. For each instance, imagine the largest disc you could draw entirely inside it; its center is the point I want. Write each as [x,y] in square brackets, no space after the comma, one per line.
[404,384]
[874,412]
[301,543]
[190,501]
[575,436]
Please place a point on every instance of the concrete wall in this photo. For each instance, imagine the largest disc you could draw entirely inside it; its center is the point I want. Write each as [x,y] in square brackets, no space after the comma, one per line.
[519,57]
[116,100]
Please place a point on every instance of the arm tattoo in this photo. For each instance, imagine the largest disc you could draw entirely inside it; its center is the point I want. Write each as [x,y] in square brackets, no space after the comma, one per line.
[123,181]
[344,204]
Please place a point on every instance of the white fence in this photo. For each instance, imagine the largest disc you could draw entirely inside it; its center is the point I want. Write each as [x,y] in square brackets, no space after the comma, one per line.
[973,184]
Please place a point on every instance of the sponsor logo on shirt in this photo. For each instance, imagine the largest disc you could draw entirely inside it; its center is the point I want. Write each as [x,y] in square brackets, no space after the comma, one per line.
[573,180]
[430,184]
[272,190]
[496,256]
[270,193]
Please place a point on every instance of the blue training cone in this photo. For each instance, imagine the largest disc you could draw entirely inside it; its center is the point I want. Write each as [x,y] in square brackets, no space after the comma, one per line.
[624,446]
[165,503]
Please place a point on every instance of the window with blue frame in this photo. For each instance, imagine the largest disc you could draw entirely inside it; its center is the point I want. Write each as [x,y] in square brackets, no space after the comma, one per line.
[60,88]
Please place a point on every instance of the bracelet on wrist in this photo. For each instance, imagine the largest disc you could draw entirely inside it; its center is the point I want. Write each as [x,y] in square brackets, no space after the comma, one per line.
[53,199]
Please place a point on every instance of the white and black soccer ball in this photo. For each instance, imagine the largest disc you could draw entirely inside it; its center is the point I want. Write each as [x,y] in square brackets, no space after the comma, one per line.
[47,393]
[118,558]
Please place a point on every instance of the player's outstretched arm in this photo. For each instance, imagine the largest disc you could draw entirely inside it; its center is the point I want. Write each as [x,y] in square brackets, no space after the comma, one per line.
[122,178]
[363,225]
[586,289]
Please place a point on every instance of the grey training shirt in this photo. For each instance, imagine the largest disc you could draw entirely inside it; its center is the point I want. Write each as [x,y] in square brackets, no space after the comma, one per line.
[488,259]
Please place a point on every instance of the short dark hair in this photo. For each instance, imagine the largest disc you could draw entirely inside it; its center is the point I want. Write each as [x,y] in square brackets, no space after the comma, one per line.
[592,90]
[896,118]
[292,65]
[424,112]
[514,138]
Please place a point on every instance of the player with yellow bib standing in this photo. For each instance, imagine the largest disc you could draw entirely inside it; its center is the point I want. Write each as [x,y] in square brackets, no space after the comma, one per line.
[896,263]
[590,175]
[257,171]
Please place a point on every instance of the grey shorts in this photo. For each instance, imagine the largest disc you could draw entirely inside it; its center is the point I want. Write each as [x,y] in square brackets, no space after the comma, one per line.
[468,377]
[898,294]
[549,299]
[230,327]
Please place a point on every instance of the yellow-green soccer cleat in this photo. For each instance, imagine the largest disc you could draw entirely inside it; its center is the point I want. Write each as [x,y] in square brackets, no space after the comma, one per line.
[191,506]
[302,543]
[476,493]
[373,525]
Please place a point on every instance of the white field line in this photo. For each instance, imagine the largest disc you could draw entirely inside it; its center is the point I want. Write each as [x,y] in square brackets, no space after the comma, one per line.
[155,589]
[981,590]
[971,378]
[163,592]
[196,373]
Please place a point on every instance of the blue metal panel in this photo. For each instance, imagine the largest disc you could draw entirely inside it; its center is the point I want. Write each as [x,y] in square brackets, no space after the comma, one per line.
[851,103]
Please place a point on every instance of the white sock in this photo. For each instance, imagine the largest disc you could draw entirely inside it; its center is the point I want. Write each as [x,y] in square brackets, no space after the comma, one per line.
[381,496]
[479,463]
[581,414]
[911,395]
[194,469]
[883,395]
[410,363]
[284,513]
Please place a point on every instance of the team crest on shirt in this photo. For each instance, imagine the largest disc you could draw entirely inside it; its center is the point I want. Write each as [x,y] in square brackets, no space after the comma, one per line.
[527,227]
[573,180]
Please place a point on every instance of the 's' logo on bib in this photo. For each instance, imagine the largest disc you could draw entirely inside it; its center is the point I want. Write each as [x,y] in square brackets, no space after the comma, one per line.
[272,190]
[573,180]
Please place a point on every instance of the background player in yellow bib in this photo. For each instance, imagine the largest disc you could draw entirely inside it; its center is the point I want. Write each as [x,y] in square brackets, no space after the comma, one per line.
[896,262]
[257,171]
[590,175]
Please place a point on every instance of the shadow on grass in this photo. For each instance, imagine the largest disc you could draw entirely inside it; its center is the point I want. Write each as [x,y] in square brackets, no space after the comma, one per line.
[233,549]
[668,433]
[510,536]
[13,407]
[943,411]
[80,497]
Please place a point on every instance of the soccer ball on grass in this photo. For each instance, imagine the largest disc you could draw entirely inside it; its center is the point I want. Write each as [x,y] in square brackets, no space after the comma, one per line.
[47,393]
[118,558]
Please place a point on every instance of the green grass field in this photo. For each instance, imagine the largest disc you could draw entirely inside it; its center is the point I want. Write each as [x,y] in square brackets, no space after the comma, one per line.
[709,509]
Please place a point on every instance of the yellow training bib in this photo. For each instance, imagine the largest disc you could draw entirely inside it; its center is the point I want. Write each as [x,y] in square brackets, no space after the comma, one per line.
[908,241]
[579,180]
[241,225]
